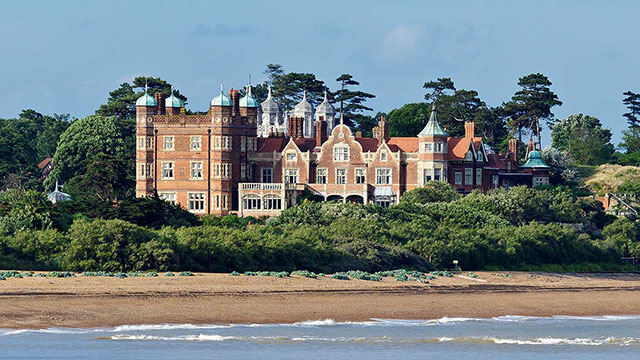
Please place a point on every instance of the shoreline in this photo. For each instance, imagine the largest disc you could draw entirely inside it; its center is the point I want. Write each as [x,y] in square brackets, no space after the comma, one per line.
[83,302]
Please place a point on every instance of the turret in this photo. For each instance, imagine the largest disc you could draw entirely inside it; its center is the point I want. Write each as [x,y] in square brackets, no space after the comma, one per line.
[326,111]
[304,110]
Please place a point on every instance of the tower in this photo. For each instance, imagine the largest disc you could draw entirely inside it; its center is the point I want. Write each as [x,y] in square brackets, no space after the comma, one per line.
[327,112]
[271,121]
[304,110]
[432,151]
[146,107]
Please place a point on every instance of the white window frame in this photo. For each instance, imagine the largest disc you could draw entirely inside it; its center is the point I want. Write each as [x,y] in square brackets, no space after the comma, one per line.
[149,171]
[360,175]
[438,174]
[341,176]
[168,170]
[383,155]
[341,153]
[142,141]
[427,175]
[290,156]
[458,178]
[168,143]
[243,143]
[195,143]
[322,175]
[468,176]
[468,156]
[428,147]
[196,201]
[251,202]
[291,174]
[195,169]
[149,142]
[272,202]
[170,197]
[384,176]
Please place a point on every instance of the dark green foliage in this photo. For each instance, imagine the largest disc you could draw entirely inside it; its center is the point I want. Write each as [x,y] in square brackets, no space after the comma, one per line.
[584,138]
[352,102]
[632,101]
[434,191]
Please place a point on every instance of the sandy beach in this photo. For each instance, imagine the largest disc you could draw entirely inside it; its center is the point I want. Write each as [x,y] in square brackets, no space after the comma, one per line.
[222,299]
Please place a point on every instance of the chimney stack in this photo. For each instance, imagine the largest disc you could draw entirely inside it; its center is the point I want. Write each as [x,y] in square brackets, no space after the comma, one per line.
[160,100]
[235,100]
[513,148]
[469,129]
[295,127]
[321,131]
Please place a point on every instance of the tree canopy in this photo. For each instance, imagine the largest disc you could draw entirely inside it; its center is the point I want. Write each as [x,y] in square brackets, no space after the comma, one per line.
[584,138]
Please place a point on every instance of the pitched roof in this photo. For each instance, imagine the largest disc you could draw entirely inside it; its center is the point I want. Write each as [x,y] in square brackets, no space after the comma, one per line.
[368,144]
[433,128]
[44,163]
[406,144]
[458,147]
[272,144]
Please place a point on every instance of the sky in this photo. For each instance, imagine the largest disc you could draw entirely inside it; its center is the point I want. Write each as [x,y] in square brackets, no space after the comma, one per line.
[66,56]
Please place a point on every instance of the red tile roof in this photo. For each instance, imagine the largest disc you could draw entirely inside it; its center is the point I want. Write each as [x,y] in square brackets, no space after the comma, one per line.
[406,144]
[368,144]
[44,163]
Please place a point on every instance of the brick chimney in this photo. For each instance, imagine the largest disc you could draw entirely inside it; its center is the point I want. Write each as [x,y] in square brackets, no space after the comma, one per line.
[513,148]
[321,131]
[381,132]
[469,129]
[234,95]
[295,127]
[358,134]
[160,100]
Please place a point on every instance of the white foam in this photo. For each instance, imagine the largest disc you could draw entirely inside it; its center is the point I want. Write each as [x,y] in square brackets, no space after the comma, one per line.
[199,337]
[124,328]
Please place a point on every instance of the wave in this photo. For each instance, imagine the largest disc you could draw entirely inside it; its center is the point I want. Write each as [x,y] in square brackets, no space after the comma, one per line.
[548,341]
[124,328]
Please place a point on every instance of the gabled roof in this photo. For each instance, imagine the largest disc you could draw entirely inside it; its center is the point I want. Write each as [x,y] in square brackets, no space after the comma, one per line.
[44,163]
[458,147]
[272,144]
[368,144]
[406,144]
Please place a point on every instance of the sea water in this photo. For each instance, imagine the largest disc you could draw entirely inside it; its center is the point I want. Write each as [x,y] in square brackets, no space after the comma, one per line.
[505,337]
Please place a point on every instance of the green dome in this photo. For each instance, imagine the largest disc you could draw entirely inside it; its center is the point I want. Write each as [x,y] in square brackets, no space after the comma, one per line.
[433,128]
[173,102]
[534,160]
[146,100]
[248,100]
[222,99]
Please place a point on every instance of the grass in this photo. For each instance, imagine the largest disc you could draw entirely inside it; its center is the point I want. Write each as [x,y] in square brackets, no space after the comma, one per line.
[607,178]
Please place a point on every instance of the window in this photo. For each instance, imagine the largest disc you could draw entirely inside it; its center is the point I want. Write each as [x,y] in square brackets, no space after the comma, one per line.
[149,142]
[468,176]
[291,156]
[439,147]
[538,180]
[243,143]
[383,155]
[243,171]
[196,143]
[469,156]
[216,142]
[427,175]
[167,143]
[340,153]
[141,142]
[225,202]
[361,176]
[321,176]
[196,170]
[272,202]
[251,202]
[150,171]
[341,176]
[222,170]
[196,202]
[291,176]
[141,171]
[383,176]
[494,180]
[216,203]
[226,143]
[437,174]
[167,170]
[428,147]
[251,144]
[267,175]
[168,197]
[458,178]
[480,156]
[478,177]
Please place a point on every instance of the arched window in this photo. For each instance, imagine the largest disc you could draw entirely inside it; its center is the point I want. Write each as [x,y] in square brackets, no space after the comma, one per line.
[272,202]
[251,202]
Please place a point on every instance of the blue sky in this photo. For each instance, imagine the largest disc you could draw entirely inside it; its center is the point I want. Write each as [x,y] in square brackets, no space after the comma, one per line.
[65,56]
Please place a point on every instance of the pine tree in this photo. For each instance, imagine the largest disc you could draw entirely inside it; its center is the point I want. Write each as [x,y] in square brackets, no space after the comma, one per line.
[632,101]
[352,103]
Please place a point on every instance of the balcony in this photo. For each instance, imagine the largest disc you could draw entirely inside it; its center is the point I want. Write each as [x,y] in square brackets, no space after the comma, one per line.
[262,186]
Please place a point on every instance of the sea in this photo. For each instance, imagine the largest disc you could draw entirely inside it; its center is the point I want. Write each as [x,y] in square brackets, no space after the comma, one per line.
[504,337]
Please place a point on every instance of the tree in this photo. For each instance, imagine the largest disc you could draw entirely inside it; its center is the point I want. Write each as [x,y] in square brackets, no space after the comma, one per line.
[288,89]
[121,103]
[632,101]
[433,191]
[531,104]
[563,169]
[352,102]
[408,120]
[86,139]
[106,177]
[584,138]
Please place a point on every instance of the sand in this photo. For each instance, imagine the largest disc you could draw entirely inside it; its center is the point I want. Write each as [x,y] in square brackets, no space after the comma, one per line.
[223,299]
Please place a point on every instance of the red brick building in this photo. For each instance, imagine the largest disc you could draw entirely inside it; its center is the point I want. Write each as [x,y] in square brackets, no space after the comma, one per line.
[216,163]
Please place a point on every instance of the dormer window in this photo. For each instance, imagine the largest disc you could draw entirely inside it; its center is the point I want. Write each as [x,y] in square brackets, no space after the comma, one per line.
[291,156]
[340,153]
[383,155]
[469,156]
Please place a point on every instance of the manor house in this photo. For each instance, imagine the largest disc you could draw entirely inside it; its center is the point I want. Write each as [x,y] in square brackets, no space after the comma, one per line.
[249,158]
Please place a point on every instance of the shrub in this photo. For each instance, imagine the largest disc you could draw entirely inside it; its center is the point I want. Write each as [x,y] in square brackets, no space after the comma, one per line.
[186,273]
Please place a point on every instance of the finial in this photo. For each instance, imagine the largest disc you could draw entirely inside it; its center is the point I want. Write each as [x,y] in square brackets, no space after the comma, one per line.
[57,185]
[341,118]
[146,86]
[249,80]
[325,95]
[171,91]
[269,94]
[304,95]
[221,88]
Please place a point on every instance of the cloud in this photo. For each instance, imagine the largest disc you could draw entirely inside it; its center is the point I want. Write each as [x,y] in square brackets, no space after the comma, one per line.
[222,30]
[402,40]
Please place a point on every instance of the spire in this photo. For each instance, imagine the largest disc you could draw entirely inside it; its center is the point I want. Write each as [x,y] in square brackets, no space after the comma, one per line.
[269,93]
[433,128]
[325,95]
[341,118]
[222,88]
[146,86]
[57,187]
[304,95]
